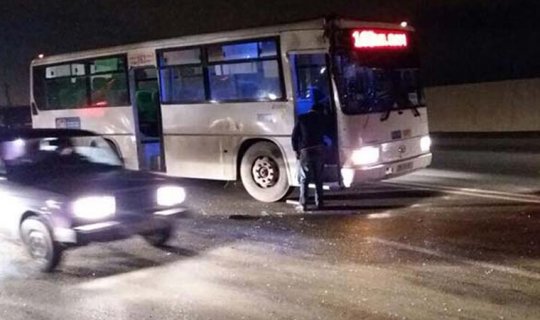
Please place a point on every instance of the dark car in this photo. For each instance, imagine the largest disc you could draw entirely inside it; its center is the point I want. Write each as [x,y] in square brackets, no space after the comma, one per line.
[66,188]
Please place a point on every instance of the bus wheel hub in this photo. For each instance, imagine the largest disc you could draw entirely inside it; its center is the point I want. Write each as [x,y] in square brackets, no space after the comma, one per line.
[265,172]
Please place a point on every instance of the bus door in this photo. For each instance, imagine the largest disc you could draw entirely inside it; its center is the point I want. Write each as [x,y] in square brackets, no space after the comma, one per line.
[148,111]
[311,83]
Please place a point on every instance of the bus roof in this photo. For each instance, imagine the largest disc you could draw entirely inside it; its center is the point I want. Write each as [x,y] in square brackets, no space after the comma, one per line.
[206,38]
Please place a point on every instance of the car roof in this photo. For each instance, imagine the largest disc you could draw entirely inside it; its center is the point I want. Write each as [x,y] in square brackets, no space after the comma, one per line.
[13,134]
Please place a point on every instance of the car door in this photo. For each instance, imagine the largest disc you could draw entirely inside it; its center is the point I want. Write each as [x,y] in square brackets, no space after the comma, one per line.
[12,205]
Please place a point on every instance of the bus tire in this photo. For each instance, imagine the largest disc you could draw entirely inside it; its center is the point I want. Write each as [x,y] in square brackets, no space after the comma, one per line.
[263,172]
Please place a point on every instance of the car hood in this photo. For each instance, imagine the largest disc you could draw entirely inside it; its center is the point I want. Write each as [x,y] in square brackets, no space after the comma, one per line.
[102,183]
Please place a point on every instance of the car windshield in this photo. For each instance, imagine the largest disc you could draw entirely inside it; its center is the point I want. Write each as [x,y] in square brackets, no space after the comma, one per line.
[66,153]
[375,84]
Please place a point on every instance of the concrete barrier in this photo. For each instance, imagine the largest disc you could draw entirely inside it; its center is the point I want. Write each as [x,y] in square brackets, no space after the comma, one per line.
[503,106]
[515,142]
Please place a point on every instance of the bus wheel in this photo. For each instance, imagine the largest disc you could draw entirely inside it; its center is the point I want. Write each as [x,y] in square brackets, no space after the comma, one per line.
[263,172]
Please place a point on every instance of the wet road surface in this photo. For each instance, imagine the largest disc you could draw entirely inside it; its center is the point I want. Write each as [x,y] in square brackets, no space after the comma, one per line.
[439,244]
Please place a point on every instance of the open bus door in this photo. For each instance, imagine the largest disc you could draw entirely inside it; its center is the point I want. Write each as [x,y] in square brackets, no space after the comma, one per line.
[310,77]
[145,97]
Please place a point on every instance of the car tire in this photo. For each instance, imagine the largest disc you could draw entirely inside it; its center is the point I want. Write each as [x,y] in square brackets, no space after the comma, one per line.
[159,237]
[44,251]
[264,173]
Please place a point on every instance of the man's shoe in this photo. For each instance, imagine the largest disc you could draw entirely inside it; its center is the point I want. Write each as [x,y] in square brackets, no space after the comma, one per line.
[301,208]
[320,206]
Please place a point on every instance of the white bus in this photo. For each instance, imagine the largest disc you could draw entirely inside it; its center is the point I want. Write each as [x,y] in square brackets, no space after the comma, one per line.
[222,106]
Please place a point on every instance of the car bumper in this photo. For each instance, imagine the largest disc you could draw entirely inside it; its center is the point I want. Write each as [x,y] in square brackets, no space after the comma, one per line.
[112,230]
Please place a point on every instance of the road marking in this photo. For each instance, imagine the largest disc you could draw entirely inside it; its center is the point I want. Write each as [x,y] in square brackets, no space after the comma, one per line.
[447,256]
[473,192]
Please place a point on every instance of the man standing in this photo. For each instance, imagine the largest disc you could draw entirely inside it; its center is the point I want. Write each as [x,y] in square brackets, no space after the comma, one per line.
[308,143]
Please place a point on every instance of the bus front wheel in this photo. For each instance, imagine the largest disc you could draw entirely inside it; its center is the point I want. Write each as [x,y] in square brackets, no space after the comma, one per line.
[263,172]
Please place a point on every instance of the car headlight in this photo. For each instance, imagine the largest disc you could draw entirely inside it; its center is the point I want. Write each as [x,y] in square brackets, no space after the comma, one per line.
[169,196]
[425,144]
[94,207]
[366,156]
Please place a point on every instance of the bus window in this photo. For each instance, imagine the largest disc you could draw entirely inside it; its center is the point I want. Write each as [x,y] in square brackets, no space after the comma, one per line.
[182,84]
[108,82]
[66,93]
[97,83]
[244,72]
[66,87]
[249,81]
[181,75]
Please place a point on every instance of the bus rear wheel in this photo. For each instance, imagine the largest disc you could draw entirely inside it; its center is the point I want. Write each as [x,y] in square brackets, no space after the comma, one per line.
[263,172]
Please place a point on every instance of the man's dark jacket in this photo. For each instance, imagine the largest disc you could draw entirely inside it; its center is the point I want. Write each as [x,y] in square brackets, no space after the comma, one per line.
[308,131]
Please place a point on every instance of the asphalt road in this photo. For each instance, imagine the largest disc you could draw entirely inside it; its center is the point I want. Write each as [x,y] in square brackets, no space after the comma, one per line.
[443,243]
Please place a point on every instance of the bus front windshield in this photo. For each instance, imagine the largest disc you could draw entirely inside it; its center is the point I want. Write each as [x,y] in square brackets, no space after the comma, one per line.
[371,83]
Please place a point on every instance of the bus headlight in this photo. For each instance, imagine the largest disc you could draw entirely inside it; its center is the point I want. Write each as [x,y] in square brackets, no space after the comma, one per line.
[169,196]
[425,144]
[94,207]
[365,156]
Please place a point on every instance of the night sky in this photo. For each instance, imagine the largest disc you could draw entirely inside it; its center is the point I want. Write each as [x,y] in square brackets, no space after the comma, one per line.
[462,40]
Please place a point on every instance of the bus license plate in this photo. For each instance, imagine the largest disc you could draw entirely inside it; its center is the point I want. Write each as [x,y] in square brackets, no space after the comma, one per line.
[404,166]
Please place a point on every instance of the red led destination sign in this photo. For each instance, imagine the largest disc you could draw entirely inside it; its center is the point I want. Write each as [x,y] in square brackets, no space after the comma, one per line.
[372,39]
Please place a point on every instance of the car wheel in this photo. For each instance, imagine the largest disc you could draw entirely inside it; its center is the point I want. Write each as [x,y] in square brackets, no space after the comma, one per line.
[159,237]
[45,253]
[263,172]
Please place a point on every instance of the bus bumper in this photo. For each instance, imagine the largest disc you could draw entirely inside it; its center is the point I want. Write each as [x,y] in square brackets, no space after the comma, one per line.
[354,176]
